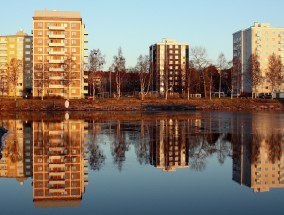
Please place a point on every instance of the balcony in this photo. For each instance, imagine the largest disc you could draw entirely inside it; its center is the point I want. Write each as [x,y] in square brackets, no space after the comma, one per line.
[56,44]
[56,61]
[85,84]
[3,41]
[56,78]
[56,86]
[56,28]
[86,47]
[56,69]
[86,33]
[56,36]
[3,48]
[3,55]
[86,40]
[86,54]
[56,52]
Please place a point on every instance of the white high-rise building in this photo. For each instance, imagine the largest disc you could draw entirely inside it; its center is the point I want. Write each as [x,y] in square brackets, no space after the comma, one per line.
[262,40]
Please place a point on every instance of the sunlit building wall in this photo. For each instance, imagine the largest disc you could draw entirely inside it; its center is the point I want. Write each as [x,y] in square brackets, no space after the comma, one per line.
[169,61]
[18,46]
[59,56]
[59,163]
[169,150]
[260,39]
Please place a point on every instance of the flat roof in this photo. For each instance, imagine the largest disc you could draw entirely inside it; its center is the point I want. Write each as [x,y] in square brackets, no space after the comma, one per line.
[57,14]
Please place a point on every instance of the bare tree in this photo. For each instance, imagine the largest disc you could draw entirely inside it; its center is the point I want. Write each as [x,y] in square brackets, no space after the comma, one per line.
[43,74]
[119,70]
[236,76]
[253,72]
[143,68]
[221,65]
[70,68]
[274,72]
[13,74]
[3,79]
[200,62]
[96,63]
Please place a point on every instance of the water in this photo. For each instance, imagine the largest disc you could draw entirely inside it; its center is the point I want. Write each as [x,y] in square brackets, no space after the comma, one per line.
[150,163]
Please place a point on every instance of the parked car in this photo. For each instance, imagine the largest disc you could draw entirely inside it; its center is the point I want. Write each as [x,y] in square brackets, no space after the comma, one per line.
[264,95]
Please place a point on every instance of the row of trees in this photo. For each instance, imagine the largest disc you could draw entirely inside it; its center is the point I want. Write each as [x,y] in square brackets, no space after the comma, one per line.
[273,73]
[10,74]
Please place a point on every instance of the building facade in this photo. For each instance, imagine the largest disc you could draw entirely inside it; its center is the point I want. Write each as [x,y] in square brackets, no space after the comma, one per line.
[59,57]
[262,40]
[169,62]
[17,47]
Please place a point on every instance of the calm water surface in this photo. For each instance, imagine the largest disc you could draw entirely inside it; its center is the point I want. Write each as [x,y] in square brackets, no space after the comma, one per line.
[150,163]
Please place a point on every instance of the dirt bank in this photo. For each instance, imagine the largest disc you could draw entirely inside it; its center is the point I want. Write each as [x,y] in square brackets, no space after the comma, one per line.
[138,105]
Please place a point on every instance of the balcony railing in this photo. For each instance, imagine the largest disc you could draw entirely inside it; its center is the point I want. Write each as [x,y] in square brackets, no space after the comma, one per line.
[56,61]
[56,52]
[56,77]
[3,41]
[56,36]
[3,55]
[56,69]
[56,86]
[56,44]
[86,47]
[86,33]
[56,28]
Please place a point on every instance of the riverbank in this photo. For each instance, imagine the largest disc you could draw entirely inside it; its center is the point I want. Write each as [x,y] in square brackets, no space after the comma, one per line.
[132,104]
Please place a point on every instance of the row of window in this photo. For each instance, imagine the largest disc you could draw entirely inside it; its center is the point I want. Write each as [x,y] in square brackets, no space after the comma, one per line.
[40,41]
[73,33]
[73,25]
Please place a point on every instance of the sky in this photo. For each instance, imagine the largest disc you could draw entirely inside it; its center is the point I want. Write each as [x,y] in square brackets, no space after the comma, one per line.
[134,25]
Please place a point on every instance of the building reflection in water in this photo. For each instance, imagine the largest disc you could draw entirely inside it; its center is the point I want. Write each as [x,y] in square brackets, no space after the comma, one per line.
[58,163]
[258,160]
[16,154]
[169,145]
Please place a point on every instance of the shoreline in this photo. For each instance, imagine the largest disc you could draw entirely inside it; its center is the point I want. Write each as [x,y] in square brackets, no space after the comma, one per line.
[132,104]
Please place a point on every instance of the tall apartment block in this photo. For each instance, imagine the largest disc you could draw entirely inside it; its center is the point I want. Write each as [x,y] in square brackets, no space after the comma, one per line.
[169,61]
[59,176]
[262,40]
[59,57]
[18,47]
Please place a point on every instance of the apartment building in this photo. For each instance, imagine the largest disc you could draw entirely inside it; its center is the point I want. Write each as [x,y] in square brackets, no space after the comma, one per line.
[18,47]
[169,61]
[262,40]
[59,160]
[59,57]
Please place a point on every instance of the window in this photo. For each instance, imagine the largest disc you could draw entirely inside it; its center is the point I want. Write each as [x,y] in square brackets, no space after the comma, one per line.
[27,59]
[73,25]
[39,33]
[39,49]
[12,52]
[73,42]
[73,33]
[12,46]
[27,52]
[39,57]
[39,24]
[39,41]
[73,49]
[28,39]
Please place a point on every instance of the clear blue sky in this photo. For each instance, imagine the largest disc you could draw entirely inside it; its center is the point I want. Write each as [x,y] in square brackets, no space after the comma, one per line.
[136,24]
